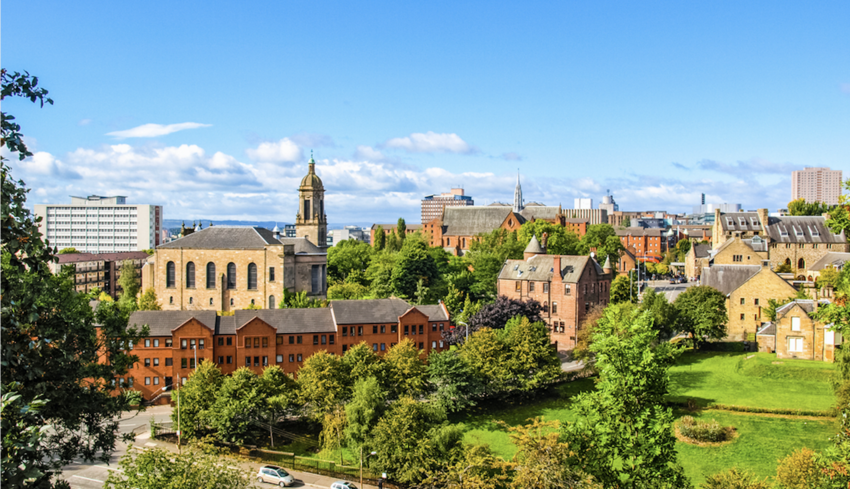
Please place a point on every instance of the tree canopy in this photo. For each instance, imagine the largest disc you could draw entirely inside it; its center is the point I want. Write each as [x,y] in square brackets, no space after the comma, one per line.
[701,311]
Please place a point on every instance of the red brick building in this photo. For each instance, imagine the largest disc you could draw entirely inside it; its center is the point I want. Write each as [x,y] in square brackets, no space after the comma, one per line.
[179,340]
[566,295]
[647,242]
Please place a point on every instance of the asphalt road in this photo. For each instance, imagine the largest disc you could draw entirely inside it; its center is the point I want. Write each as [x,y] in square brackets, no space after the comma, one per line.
[671,291]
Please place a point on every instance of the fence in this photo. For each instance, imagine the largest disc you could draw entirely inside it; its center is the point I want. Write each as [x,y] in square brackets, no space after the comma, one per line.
[322,467]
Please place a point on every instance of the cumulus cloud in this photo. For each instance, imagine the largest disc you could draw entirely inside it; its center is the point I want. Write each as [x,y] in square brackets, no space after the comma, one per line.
[155,130]
[431,142]
[280,151]
[368,153]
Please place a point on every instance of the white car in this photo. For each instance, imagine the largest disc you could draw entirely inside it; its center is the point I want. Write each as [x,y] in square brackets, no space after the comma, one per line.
[275,475]
[343,485]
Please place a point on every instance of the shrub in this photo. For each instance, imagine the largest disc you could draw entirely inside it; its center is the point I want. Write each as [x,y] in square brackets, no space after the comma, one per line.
[698,430]
[798,470]
[734,479]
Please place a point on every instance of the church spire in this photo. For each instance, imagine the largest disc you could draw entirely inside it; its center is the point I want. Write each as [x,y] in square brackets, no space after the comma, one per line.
[518,194]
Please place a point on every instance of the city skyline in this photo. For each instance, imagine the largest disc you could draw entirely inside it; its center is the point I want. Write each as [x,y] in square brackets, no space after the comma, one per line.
[215,118]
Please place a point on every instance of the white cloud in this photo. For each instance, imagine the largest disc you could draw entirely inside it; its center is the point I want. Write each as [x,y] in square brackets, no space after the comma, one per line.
[431,142]
[368,153]
[283,150]
[155,130]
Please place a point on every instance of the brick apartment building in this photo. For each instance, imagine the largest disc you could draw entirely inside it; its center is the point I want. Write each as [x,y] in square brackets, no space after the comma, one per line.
[647,242]
[282,337]
[566,295]
[100,270]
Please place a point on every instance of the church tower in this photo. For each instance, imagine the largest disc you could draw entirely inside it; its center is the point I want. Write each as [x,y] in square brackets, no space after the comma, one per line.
[518,207]
[311,221]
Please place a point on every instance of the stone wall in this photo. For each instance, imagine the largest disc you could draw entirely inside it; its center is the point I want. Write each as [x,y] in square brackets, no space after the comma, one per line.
[745,305]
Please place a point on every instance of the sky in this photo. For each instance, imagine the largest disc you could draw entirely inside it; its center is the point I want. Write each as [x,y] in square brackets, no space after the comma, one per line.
[212,109]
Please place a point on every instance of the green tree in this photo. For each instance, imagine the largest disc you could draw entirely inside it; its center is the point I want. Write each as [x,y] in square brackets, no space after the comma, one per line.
[148,301]
[413,264]
[477,468]
[346,257]
[360,362]
[380,275]
[683,247]
[541,460]
[52,370]
[157,468]
[332,437]
[237,405]
[828,276]
[800,207]
[783,268]
[322,383]
[405,371]
[603,238]
[401,230]
[560,241]
[347,291]
[130,285]
[531,362]
[453,382]
[627,222]
[620,289]
[196,398]
[362,413]
[701,312]
[624,434]
[380,239]
[663,313]
[299,300]
[485,353]
[734,478]
[68,251]
[278,394]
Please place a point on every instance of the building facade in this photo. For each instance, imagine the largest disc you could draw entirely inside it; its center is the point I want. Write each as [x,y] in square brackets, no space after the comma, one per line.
[99,271]
[96,224]
[433,205]
[816,184]
[349,232]
[311,222]
[798,335]
[647,242]
[567,287]
[179,340]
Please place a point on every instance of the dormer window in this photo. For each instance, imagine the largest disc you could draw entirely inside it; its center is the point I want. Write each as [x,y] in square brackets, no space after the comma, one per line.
[516,267]
[742,221]
[814,232]
[754,221]
[730,223]
[783,231]
[798,232]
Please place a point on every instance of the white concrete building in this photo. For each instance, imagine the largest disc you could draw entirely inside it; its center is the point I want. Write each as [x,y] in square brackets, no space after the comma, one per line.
[583,204]
[816,185]
[96,224]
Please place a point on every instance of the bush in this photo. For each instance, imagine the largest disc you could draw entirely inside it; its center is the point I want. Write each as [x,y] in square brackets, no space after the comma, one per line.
[798,470]
[709,431]
[734,479]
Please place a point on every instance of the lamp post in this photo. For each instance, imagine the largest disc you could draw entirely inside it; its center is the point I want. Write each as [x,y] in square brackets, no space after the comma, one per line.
[361,463]
[467,328]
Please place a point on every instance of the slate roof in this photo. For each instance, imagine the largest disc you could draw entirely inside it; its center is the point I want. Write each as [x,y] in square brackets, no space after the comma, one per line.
[472,220]
[540,212]
[740,221]
[767,329]
[224,238]
[83,257]
[315,320]
[836,259]
[701,250]
[302,245]
[394,225]
[540,268]
[161,323]
[434,312]
[369,311]
[727,278]
[807,305]
[639,231]
[534,247]
[802,229]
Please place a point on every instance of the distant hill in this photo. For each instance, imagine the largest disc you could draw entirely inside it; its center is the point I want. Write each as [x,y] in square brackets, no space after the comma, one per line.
[173,225]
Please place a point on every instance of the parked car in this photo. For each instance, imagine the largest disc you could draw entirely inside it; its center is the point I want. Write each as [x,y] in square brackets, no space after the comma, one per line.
[343,485]
[275,475]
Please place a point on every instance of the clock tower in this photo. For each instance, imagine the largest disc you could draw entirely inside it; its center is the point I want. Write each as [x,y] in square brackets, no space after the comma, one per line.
[311,221]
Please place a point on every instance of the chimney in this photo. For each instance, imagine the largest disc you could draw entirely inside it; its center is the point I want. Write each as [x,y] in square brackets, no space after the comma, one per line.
[556,268]
[763,219]
[544,242]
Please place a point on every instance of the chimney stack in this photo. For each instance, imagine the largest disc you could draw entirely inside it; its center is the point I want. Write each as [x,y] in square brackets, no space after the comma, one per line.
[545,242]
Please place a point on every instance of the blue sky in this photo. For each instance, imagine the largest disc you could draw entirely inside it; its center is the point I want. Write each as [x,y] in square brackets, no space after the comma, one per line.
[211,108]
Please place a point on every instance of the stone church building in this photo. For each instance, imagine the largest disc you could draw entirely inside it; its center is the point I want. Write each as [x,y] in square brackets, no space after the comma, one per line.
[229,268]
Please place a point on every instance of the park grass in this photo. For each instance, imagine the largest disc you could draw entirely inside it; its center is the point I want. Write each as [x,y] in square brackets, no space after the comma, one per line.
[732,378]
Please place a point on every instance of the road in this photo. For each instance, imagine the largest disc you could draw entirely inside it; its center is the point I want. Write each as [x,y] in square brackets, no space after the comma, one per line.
[671,291]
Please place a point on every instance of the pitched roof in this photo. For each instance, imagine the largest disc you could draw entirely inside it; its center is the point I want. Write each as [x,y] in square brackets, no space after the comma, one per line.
[368,311]
[534,247]
[767,329]
[540,268]
[807,305]
[836,259]
[802,229]
[740,221]
[540,212]
[727,278]
[472,220]
[83,257]
[223,238]
[314,320]
[389,227]
[701,250]
[303,245]
[434,312]
[161,323]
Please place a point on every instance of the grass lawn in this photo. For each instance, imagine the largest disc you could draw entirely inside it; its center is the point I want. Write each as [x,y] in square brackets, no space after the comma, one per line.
[732,378]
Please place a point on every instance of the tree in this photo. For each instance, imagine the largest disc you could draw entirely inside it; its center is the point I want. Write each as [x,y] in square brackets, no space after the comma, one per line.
[485,353]
[800,207]
[541,460]
[828,276]
[148,301]
[624,434]
[299,300]
[348,256]
[129,283]
[624,289]
[68,251]
[560,241]
[401,230]
[322,383]
[496,315]
[366,407]
[477,468]
[278,394]
[413,264]
[663,313]
[405,371]
[683,247]
[237,405]
[332,436]
[586,330]
[531,362]
[487,254]
[360,362]
[453,382]
[347,291]
[380,239]
[196,398]
[783,268]
[627,222]
[59,369]
[701,312]
[380,274]
[603,238]
[200,466]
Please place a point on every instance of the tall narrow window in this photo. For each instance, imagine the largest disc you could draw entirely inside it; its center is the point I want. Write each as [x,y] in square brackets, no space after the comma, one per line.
[190,275]
[271,274]
[252,276]
[210,275]
[231,275]
[315,280]
[169,274]
[306,208]
[271,302]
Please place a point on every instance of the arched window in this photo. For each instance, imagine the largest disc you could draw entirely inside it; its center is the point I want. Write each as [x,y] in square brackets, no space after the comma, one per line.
[190,275]
[169,274]
[231,275]
[210,275]
[252,276]
[271,302]
[801,263]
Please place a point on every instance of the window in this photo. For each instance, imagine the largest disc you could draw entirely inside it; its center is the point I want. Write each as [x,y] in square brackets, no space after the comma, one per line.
[567,289]
[278,340]
[147,381]
[156,343]
[201,344]
[231,277]
[518,286]
[183,344]
[147,362]
[375,329]
[229,359]
[271,274]
[531,286]
[231,301]
[756,302]
[331,339]
[315,339]
[271,302]
[291,358]
[441,343]
[265,361]
[545,307]
[210,275]
[247,361]
[279,359]
[211,301]
[252,276]
[171,299]
[147,343]
[190,275]
[169,362]
[315,279]
[554,308]
[421,345]
[299,357]
[383,328]
[441,326]
[433,344]
[406,329]
[344,348]
[298,339]
[183,363]
[743,301]
[257,342]
[247,342]
[221,341]
[795,345]
[383,346]
[742,316]
[737,258]
[359,330]
[345,330]
[795,324]
[324,339]
[256,361]
[156,362]
[220,360]
[229,341]
[393,328]
[545,287]
[374,347]
[433,326]
[191,363]
[169,274]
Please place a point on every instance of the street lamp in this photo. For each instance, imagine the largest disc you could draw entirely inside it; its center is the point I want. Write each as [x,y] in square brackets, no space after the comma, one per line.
[467,328]
[361,463]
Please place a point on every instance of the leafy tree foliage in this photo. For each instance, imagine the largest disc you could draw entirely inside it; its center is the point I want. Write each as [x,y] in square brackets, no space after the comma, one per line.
[412,265]
[360,362]
[734,478]
[299,300]
[683,247]
[477,468]
[542,459]
[129,282]
[148,301]
[237,404]
[627,222]
[620,289]
[196,398]
[560,241]
[484,354]
[278,395]
[348,256]
[200,467]
[624,435]
[664,314]
[363,411]
[322,383]
[602,237]
[380,239]
[452,380]
[585,333]
[401,229]
[347,291]
[800,207]
[404,370]
[701,311]
[67,251]
[380,275]
[496,315]
[332,437]
[486,255]
[828,277]
[530,363]
[57,369]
